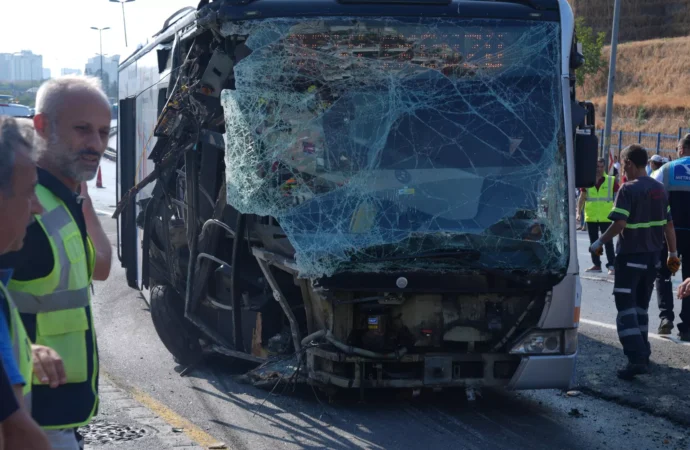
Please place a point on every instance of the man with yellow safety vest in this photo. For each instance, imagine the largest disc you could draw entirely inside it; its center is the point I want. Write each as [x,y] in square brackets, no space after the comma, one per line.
[598,202]
[66,248]
[18,203]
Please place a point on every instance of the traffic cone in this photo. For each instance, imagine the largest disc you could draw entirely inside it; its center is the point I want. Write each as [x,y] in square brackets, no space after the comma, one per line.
[99,179]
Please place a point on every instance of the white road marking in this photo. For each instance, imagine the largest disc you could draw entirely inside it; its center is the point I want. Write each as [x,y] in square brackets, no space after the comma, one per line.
[584,277]
[107,213]
[608,326]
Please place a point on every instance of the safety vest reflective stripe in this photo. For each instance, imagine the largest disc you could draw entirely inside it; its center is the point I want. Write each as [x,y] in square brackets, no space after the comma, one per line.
[28,303]
[21,346]
[599,202]
[31,304]
[657,223]
[60,304]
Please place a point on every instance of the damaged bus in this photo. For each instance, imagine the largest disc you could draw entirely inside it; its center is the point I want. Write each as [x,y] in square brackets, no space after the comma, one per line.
[383,191]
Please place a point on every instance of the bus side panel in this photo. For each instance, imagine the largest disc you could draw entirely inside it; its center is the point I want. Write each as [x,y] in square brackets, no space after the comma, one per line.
[148,78]
[138,85]
[126,164]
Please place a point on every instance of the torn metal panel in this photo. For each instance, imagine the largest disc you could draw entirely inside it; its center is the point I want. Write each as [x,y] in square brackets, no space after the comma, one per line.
[380,144]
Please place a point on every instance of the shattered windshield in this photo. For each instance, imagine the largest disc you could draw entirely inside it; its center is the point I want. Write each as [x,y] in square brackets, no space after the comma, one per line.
[395,144]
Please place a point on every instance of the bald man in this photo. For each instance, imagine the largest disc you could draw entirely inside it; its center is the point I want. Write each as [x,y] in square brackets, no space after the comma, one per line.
[66,248]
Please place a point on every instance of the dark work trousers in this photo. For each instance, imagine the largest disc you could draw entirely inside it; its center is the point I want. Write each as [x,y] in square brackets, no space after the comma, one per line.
[664,289]
[633,286]
[596,229]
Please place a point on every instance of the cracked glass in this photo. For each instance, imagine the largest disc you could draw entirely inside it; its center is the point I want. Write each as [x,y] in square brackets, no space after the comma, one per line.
[388,145]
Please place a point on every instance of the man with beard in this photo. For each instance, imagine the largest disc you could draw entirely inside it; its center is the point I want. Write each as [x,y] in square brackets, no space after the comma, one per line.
[66,248]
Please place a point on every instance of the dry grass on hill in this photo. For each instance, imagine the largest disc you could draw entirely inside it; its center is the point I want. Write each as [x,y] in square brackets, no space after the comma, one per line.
[652,86]
[640,19]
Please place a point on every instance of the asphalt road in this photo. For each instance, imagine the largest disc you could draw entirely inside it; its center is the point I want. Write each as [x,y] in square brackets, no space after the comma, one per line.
[608,414]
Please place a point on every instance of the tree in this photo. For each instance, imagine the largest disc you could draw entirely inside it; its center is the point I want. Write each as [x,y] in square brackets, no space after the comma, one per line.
[592,43]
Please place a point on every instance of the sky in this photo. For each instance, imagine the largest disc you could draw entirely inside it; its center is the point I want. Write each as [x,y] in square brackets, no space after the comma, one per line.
[60,30]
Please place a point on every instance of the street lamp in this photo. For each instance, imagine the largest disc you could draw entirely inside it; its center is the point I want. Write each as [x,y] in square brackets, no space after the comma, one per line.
[124,22]
[100,34]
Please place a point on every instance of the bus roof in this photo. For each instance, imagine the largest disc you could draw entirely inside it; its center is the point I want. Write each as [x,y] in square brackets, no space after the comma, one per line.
[236,10]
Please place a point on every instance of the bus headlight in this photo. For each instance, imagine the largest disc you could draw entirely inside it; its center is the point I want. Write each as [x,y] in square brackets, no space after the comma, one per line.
[547,342]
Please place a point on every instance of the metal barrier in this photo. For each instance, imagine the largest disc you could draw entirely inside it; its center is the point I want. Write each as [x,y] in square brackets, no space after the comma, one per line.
[654,143]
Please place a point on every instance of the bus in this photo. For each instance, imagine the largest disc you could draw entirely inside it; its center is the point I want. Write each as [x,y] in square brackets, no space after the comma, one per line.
[382,191]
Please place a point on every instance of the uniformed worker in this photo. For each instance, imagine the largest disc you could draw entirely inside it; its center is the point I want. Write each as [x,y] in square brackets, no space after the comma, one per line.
[675,176]
[65,250]
[642,217]
[598,201]
[18,204]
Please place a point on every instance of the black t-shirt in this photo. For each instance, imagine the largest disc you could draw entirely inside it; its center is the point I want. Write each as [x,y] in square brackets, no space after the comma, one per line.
[643,204]
[8,402]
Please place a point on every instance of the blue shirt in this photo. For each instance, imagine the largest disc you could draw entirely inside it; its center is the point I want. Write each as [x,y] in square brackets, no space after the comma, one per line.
[5,276]
[6,350]
[675,176]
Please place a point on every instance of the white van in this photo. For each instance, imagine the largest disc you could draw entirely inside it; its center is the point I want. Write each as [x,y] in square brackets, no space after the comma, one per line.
[11,109]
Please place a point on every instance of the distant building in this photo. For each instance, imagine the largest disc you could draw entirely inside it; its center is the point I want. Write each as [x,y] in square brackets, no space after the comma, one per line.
[110,65]
[46,74]
[70,72]
[6,67]
[22,66]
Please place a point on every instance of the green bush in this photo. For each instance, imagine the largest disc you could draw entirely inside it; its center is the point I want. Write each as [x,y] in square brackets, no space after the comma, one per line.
[592,43]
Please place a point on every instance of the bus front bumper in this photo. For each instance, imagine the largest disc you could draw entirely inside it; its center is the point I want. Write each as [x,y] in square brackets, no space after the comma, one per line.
[442,370]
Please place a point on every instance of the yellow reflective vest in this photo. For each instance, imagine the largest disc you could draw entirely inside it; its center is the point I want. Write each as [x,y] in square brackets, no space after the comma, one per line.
[599,202]
[56,310]
[21,344]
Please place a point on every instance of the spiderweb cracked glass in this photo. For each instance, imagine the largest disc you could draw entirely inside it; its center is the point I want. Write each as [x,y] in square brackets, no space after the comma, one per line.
[384,145]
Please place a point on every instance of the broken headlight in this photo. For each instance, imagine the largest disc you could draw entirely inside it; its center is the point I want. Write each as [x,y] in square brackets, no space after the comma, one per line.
[547,342]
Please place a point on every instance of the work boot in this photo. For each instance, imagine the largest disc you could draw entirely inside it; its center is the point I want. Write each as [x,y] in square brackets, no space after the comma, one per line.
[684,335]
[665,327]
[594,269]
[630,371]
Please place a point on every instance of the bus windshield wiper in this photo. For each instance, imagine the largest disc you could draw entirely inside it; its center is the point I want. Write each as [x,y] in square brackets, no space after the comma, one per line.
[531,3]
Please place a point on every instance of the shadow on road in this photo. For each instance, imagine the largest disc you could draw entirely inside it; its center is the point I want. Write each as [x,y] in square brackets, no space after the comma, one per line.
[385,419]
[663,392]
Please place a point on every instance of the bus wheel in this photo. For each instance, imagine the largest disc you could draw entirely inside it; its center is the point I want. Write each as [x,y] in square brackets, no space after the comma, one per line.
[178,335]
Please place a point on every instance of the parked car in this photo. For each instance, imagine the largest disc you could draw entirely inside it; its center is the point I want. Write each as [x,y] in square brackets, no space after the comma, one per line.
[15,110]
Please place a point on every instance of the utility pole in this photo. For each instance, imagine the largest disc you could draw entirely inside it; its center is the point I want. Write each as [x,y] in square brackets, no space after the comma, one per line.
[612,80]
[100,34]
[124,22]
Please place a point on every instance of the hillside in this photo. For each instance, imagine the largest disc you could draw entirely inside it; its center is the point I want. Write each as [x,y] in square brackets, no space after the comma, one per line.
[640,19]
[652,86]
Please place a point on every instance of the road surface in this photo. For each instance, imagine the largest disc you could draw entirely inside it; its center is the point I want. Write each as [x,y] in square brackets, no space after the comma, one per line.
[209,405]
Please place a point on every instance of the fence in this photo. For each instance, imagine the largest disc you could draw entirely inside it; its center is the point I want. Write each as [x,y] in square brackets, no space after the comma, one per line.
[661,144]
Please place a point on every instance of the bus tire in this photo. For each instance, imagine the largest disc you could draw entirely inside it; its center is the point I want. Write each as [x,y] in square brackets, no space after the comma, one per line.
[178,335]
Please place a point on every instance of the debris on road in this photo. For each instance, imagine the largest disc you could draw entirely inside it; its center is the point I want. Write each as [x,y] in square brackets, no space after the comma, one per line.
[573,393]
[217,446]
[272,372]
[575,413]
